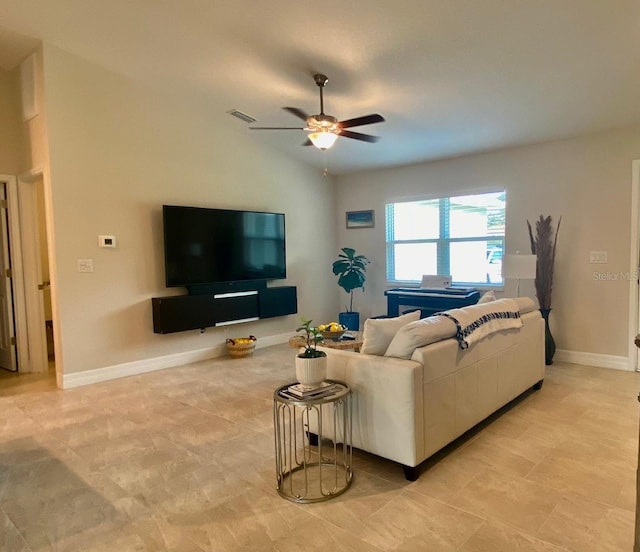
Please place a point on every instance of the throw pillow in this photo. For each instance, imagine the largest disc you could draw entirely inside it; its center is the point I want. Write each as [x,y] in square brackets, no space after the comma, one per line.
[487,297]
[378,332]
[420,333]
[525,304]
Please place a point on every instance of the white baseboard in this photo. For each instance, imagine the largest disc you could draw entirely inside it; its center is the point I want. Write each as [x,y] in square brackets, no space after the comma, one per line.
[78,379]
[593,359]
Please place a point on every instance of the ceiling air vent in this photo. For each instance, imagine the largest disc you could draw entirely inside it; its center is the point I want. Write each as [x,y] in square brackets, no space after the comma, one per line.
[242,116]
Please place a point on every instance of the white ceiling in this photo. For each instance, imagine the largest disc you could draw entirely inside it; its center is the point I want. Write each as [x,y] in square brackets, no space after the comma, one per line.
[451,77]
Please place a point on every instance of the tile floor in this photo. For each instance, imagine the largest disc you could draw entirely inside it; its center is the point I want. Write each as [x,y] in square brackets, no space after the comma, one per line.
[182,460]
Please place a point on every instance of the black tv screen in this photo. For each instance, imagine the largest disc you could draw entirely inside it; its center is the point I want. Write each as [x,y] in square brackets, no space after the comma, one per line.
[208,246]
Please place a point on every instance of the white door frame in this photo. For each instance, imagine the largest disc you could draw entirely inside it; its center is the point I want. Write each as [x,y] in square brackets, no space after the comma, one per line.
[37,360]
[634,276]
[19,303]
[8,347]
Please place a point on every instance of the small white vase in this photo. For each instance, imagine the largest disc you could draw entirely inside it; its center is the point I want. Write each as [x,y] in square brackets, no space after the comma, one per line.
[311,372]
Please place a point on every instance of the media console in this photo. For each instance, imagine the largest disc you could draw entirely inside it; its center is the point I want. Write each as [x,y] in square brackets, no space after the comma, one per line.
[221,307]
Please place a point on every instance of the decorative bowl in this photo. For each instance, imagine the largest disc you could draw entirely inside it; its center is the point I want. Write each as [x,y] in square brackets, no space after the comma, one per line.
[242,346]
[333,335]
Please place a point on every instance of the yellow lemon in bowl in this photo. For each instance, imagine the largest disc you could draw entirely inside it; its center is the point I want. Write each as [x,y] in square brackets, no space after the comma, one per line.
[332,330]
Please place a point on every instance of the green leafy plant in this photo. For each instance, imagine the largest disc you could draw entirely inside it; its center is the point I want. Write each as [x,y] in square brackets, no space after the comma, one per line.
[543,246]
[351,271]
[312,337]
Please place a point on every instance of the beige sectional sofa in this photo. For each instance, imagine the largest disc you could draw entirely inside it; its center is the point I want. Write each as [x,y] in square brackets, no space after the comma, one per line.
[406,409]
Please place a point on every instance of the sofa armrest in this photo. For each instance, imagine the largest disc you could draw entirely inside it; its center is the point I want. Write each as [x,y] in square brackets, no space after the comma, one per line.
[387,403]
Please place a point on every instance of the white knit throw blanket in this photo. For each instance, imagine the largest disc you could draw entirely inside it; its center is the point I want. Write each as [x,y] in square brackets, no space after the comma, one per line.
[478,321]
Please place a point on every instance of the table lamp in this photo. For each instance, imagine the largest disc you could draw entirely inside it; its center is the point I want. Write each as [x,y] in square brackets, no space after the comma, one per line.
[519,267]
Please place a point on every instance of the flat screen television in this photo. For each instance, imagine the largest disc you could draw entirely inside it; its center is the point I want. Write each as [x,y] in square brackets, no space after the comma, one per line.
[212,246]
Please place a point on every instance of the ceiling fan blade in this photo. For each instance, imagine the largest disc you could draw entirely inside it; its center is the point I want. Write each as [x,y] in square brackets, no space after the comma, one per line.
[359,121]
[276,128]
[297,112]
[307,142]
[359,136]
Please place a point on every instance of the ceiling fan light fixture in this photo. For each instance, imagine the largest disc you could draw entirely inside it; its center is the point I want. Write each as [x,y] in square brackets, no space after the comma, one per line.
[324,129]
[323,139]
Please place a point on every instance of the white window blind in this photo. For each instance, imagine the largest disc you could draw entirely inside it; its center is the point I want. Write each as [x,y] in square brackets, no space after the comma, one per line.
[462,236]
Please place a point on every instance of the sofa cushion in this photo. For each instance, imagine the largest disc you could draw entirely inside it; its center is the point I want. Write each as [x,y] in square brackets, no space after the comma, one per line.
[487,297]
[525,304]
[418,334]
[378,332]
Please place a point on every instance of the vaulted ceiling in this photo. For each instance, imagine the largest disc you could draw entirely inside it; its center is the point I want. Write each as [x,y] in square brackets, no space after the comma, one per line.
[451,77]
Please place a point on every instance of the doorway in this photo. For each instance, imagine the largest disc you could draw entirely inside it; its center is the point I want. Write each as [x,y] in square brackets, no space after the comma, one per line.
[35,274]
[8,352]
[634,271]
[44,285]
[28,257]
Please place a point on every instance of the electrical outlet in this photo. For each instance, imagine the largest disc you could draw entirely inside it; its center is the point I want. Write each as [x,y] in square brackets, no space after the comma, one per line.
[85,265]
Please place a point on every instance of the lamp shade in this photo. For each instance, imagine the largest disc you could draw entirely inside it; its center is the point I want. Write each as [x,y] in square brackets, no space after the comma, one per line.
[521,267]
[323,139]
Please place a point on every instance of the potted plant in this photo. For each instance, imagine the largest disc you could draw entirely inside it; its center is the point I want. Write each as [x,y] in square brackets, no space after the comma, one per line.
[543,246]
[311,364]
[351,271]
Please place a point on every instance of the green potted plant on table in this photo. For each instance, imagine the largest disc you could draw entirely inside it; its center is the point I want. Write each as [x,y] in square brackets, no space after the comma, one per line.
[351,271]
[311,364]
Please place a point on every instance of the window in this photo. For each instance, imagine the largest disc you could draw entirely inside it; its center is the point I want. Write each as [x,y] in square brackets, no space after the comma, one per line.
[462,236]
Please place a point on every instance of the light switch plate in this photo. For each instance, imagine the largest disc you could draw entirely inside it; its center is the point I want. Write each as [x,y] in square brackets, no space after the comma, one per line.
[598,257]
[85,265]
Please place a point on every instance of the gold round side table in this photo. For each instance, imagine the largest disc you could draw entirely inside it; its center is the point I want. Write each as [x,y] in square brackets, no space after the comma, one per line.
[309,468]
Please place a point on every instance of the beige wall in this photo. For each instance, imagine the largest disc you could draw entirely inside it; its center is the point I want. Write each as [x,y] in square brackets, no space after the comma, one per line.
[120,150]
[33,152]
[585,180]
[10,122]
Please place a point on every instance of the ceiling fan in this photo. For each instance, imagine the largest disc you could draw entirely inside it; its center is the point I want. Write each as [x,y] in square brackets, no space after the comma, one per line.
[324,129]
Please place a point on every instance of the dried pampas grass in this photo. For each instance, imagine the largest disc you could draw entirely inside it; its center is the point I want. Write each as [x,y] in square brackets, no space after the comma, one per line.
[544,247]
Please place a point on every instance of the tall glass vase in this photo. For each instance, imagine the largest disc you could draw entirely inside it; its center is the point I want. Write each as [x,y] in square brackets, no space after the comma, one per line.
[549,343]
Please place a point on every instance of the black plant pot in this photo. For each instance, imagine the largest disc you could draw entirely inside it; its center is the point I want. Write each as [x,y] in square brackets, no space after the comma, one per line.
[350,319]
[549,343]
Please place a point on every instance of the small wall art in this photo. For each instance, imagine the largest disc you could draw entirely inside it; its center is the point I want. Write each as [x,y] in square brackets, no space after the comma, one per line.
[360,219]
